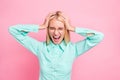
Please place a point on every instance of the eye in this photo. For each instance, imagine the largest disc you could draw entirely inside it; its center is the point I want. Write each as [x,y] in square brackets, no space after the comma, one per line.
[51,28]
[61,28]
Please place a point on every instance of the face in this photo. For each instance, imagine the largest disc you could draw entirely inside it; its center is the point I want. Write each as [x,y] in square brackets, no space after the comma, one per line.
[56,31]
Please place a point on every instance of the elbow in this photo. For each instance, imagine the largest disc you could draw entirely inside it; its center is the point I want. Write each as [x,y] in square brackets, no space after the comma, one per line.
[12,29]
[101,36]
[97,38]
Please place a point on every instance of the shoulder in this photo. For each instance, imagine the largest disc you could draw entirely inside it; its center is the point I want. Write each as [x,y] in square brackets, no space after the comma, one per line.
[70,44]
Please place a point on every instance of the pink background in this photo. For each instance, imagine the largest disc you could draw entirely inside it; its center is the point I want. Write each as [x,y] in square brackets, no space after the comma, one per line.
[100,63]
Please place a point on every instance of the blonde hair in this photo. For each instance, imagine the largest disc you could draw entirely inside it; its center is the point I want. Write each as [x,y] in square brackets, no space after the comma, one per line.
[60,18]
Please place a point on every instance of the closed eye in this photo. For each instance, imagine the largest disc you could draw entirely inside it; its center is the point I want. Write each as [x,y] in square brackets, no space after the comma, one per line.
[51,28]
[60,28]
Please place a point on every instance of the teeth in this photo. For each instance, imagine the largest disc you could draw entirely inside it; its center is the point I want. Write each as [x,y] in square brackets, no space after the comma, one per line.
[56,37]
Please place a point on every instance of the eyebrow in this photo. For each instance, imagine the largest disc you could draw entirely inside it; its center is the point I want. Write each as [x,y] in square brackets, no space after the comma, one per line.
[58,27]
[51,26]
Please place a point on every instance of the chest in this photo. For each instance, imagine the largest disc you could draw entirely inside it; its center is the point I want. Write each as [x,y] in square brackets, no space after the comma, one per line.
[57,55]
[57,59]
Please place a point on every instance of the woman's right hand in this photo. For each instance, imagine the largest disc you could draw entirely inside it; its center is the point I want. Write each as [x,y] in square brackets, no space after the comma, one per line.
[46,21]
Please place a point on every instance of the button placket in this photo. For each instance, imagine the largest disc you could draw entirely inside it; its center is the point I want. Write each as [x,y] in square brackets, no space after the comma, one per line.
[55,56]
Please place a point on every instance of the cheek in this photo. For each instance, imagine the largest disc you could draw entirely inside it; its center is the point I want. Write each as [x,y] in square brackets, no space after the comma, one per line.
[50,32]
[62,33]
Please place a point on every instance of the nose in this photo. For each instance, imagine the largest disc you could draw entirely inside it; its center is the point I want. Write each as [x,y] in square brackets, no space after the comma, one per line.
[56,32]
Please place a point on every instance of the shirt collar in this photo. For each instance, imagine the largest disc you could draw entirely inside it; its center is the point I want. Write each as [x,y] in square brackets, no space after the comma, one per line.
[62,45]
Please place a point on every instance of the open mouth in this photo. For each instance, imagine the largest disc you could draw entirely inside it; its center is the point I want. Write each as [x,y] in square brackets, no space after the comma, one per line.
[56,38]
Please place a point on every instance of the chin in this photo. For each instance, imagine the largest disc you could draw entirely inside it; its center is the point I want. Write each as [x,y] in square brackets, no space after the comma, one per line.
[56,42]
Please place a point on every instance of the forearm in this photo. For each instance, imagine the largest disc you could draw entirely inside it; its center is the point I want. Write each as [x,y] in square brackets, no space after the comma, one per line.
[90,34]
[24,27]
[87,34]
[20,31]
[72,28]
[41,27]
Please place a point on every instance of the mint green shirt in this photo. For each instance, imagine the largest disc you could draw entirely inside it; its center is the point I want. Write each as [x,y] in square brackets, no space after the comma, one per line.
[55,60]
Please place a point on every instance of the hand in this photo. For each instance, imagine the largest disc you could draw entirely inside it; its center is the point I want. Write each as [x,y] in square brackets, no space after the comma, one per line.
[46,22]
[67,22]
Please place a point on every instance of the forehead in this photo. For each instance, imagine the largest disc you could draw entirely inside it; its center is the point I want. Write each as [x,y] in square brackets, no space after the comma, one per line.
[56,23]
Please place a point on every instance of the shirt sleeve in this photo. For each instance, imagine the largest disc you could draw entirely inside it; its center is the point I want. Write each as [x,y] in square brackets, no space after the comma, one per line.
[20,32]
[89,41]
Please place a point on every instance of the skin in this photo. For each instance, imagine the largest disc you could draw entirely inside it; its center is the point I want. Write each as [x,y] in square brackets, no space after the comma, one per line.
[48,17]
[56,31]
[56,28]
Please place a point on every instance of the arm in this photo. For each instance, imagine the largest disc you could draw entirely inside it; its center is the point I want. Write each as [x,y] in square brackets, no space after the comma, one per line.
[92,38]
[20,32]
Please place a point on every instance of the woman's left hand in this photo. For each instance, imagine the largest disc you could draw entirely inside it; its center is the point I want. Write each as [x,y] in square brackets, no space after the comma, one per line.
[67,23]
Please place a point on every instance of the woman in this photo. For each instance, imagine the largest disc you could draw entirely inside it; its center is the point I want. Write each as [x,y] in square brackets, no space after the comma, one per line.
[57,54]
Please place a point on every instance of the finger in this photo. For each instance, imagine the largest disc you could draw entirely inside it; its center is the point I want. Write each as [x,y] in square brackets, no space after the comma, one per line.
[64,16]
[51,14]
[58,12]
